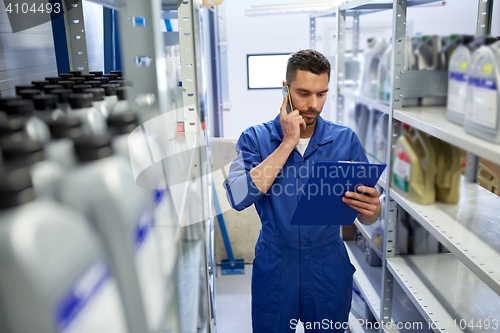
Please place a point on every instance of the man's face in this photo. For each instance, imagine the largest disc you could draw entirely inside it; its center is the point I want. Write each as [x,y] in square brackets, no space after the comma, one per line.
[308,93]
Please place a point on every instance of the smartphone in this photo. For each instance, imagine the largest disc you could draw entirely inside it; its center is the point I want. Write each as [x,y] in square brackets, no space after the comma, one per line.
[286,93]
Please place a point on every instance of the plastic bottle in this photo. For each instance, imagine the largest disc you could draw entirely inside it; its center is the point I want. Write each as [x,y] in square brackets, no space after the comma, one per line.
[88,77]
[102,80]
[61,148]
[40,84]
[77,79]
[482,116]
[63,95]
[122,104]
[111,98]
[93,120]
[48,88]
[94,83]
[96,73]
[110,76]
[118,73]
[53,79]
[75,73]
[414,167]
[449,171]
[35,128]
[79,88]
[97,95]
[369,67]
[381,130]
[29,93]
[24,87]
[46,107]
[58,279]
[67,84]
[103,189]
[65,76]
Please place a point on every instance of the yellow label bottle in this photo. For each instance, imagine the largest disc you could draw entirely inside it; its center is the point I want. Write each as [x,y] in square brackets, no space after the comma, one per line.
[449,170]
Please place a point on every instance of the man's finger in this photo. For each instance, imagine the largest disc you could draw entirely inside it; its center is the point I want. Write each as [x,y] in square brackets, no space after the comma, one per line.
[369,190]
[303,123]
[374,200]
[361,210]
[283,107]
[360,204]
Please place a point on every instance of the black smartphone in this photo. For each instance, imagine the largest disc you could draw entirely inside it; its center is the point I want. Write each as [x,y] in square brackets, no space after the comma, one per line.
[286,94]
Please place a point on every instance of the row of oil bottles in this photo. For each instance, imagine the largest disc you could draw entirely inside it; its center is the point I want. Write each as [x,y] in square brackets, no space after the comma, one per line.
[473,66]
[82,247]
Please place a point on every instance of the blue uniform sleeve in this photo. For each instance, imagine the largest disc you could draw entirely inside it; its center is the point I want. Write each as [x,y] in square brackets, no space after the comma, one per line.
[240,189]
[357,153]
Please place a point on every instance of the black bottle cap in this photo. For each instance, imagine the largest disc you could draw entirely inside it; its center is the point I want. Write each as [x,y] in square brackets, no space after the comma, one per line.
[66,84]
[22,153]
[65,76]
[65,127]
[24,87]
[76,73]
[18,107]
[111,76]
[97,94]
[121,92]
[80,101]
[120,78]
[53,79]
[80,88]
[62,94]
[29,93]
[15,187]
[91,148]
[94,83]
[77,80]
[40,84]
[4,100]
[118,73]
[103,80]
[45,102]
[96,73]
[109,89]
[88,77]
[12,129]
[124,122]
[48,88]
[118,82]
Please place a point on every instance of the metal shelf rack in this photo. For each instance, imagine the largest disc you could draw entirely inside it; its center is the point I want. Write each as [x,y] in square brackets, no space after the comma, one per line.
[438,285]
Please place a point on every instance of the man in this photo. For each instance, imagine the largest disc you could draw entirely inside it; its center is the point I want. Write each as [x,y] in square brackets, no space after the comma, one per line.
[299,272]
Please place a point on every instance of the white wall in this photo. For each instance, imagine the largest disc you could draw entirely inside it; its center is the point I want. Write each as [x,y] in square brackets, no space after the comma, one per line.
[256,34]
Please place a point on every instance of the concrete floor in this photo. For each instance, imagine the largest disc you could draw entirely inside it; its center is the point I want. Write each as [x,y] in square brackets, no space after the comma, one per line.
[233,307]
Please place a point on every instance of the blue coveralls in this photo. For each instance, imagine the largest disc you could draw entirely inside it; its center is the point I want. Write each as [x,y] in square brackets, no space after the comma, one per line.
[299,272]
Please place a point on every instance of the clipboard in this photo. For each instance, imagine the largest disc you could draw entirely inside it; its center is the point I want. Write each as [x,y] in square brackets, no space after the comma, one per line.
[320,200]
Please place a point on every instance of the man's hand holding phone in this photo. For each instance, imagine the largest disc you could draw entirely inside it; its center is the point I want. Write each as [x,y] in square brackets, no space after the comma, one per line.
[291,123]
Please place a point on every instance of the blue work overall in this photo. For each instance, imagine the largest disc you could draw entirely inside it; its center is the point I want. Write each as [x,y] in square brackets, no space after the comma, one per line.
[299,272]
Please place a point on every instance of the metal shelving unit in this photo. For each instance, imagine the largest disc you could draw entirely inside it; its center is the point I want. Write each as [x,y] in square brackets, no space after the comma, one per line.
[464,284]
[180,158]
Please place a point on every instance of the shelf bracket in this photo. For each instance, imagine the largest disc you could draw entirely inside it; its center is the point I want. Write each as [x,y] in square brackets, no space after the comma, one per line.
[75,35]
[312,31]
[340,62]
[484,16]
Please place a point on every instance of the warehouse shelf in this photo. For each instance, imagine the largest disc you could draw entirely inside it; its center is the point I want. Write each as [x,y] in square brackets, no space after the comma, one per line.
[358,328]
[468,229]
[373,160]
[445,291]
[366,231]
[368,101]
[189,282]
[432,120]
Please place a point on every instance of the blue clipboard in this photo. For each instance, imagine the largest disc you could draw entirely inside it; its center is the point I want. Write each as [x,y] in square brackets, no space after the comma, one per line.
[320,200]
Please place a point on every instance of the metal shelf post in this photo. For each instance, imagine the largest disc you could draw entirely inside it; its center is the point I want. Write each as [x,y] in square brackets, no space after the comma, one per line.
[340,62]
[75,35]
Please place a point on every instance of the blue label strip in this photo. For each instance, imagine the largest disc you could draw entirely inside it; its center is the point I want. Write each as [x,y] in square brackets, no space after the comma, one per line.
[462,77]
[483,83]
[142,227]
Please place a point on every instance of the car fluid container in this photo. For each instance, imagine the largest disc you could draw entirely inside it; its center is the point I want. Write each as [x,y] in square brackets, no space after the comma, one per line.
[369,67]
[62,95]
[61,148]
[449,171]
[97,95]
[65,76]
[384,73]
[53,79]
[40,84]
[88,77]
[94,83]
[46,107]
[457,77]
[380,137]
[111,98]
[362,119]
[452,44]
[428,55]
[76,73]
[96,73]
[29,93]
[414,167]
[48,88]
[58,278]
[24,87]
[67,84]
[111,77]
[79,88]
[102,187]
[122,103]
[482,116]
[93,120]
[77,80]
[35,128]
[45,174]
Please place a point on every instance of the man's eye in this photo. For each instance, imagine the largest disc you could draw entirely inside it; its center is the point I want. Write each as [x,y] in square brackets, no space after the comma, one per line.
[303,94]
[321,95]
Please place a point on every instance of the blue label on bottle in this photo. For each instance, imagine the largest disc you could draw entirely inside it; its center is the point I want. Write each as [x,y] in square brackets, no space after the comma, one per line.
[83,290]
[483,83]
[144,223]
[158,196]
[458,76]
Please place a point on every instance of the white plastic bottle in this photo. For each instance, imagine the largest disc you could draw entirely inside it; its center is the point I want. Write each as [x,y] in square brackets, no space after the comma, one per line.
[55,275]
[122,103]
[46,107]
[111,98]
[428,54]
[482,116]
[369,68]
[61,148]
[35,128]
[93,121]
[98,100]
[102,187]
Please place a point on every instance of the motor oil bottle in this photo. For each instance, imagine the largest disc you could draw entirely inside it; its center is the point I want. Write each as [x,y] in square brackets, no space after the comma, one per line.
[449,171]
[369,67]
[45,174]
[103,189]
[111,98]
[61,148]
[48,88]
[414,167]
[62,102]
[98,101]
[35,128]
[122,103]
[46,107]
[93,120]
[428,55]
[482,116]
[58,277]
[457,78]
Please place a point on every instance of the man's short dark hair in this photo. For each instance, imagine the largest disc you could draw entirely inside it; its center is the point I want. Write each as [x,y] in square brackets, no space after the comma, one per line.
[307,60]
